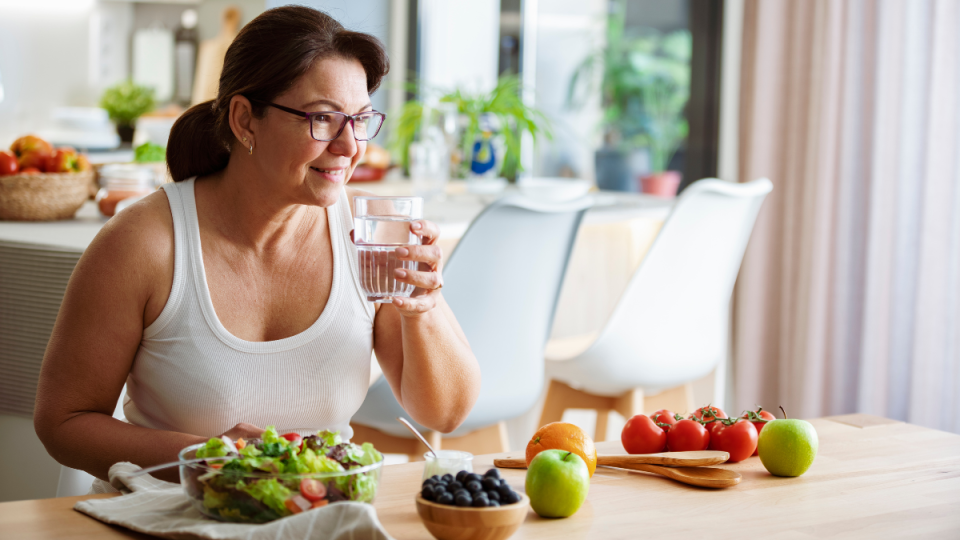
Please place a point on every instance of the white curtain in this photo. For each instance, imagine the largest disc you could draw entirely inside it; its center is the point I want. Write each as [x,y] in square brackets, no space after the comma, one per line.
[849,297]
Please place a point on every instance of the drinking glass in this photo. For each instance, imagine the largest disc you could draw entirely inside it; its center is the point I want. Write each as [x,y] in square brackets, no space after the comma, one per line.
[381,225]
[446,461]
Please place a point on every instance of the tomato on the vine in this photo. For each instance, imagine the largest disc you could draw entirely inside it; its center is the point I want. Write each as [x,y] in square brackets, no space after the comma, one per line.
[757,419]
[738,438]
[641,435]
[663,416]
[687,435]
[708,416]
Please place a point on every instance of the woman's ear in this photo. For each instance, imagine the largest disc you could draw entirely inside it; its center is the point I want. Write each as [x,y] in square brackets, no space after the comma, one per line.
[241,120]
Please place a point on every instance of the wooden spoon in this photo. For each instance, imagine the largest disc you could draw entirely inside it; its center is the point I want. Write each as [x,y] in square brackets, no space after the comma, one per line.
[624,461]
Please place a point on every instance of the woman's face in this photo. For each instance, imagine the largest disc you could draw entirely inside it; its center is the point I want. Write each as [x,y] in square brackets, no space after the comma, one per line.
[305,170]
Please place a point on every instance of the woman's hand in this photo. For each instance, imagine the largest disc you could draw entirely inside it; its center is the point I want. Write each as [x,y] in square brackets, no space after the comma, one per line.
[243,430]
[427,278]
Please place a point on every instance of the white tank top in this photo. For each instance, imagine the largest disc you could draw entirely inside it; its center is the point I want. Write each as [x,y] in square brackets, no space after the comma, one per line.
[193,376]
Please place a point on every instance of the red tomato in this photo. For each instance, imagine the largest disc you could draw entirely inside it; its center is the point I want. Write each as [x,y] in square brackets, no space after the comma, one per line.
[738,439]
[312,490]
[759,413]
[687,435]
[663,416]
[708,416]
[8,164]
[641,436]
[295,438]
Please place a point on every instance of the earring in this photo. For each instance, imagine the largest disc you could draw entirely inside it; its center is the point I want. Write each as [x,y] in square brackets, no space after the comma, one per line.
[251,149]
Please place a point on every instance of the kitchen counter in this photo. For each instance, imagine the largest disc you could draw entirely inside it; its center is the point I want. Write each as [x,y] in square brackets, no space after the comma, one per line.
[872,478]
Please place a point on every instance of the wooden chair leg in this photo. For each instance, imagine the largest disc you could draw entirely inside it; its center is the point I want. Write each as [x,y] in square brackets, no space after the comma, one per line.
[488,440]
[553,405]
[678,399]
[389,444]
[630,403]
[600,432]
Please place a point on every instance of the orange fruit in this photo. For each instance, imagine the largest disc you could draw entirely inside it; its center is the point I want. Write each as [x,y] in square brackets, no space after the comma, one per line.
[563,436]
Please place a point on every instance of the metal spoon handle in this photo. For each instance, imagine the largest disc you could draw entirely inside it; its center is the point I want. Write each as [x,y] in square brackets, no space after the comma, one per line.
[417,433]
[162,466]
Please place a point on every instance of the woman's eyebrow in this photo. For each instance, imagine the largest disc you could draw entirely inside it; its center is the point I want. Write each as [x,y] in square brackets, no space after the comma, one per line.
[309,107]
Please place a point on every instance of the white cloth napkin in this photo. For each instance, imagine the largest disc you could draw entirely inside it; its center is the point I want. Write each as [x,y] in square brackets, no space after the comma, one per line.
[161,508]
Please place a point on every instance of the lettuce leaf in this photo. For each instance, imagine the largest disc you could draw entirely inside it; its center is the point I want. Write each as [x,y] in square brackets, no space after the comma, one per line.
[330,438]
[213,448]
[270,492]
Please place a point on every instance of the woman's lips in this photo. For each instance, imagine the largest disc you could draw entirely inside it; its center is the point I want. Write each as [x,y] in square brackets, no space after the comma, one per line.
[333,175]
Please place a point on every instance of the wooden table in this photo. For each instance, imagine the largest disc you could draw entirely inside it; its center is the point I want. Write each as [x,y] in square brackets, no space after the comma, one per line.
[873,478]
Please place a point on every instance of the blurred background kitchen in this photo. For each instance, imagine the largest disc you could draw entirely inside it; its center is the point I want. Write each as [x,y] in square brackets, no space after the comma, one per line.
[848,298]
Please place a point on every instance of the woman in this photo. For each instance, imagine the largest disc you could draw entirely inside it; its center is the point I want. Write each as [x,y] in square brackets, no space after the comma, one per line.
[230,299]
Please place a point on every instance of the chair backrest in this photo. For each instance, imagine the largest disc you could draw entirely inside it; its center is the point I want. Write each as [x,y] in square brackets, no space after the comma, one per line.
[502,282]
[670,325]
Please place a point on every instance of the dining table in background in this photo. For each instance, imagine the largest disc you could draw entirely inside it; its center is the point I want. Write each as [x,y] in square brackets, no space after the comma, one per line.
[872,478]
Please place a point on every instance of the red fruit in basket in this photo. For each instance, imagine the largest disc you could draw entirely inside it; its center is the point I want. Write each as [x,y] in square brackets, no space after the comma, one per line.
[31,151]
[641,435]
[8,163]
[83,164]
[64,159]
[30,170]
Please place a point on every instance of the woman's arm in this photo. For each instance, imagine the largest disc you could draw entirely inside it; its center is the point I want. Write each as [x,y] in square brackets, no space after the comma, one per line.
[117,289]
[421,348]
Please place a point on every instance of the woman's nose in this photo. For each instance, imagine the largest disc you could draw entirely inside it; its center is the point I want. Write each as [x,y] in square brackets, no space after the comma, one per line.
[345,144]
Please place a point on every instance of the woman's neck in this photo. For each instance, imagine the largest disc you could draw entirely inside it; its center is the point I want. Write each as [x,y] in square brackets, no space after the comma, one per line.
[248,211]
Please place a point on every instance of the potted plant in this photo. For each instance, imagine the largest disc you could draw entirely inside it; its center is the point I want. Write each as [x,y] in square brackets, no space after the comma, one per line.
[502,107]
[125,103]
[644,87]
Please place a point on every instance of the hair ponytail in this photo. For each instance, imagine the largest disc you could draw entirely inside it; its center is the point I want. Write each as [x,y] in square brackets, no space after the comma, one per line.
[266,59]
[195,147]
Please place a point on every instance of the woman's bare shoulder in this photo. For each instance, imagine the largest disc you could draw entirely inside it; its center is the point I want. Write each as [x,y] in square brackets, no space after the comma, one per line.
[354,192]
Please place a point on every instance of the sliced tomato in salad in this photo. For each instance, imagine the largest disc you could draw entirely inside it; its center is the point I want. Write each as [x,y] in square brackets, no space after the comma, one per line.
[312,490]
[294,438]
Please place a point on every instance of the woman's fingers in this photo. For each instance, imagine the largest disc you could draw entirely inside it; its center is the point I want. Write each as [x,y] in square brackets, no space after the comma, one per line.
[429,280]
[430,255]
[426,230]
[244,430]
[415,305]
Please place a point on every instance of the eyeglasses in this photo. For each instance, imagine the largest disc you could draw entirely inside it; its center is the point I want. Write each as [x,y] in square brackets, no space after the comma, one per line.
[328,125]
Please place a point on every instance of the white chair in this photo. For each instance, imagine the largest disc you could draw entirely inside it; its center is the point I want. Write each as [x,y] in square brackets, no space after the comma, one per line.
[74,482]
[671,325]
[502,282]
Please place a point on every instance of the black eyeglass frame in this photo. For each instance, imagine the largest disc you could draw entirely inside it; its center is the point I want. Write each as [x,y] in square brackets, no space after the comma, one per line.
[346,118]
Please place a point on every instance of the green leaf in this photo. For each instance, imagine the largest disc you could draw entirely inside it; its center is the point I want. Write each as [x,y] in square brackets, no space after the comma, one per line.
[126,101]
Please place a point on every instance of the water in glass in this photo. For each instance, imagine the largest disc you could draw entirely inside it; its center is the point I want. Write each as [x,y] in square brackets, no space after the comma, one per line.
[377,239]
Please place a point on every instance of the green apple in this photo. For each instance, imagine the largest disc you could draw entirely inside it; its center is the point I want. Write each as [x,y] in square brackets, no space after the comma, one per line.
[787,447]
[557,483]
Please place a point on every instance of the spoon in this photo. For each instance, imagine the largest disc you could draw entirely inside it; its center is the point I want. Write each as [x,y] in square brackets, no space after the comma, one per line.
[625,461]
[417,433]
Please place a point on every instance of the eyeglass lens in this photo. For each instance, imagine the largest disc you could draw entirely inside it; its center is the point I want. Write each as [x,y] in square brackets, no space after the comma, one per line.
[326,126]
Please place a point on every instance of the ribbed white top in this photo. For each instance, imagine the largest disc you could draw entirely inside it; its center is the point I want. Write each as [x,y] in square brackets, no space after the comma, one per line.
[191,375]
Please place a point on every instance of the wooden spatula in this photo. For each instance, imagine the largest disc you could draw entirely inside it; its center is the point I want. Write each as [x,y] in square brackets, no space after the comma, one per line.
[668,459]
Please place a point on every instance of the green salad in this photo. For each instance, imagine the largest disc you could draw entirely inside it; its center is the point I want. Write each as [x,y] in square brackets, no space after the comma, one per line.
[280,475]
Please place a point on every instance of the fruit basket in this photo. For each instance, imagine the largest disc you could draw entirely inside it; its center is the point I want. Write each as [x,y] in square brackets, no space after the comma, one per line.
[43,196]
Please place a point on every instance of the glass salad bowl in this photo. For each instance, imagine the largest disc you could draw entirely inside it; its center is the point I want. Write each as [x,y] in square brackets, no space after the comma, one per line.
[261,480]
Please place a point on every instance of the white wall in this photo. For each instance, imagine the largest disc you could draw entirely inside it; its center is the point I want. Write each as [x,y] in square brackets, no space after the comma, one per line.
[459,44]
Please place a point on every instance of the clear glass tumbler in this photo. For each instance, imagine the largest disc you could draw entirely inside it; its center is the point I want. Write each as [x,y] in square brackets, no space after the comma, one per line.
[380,226]
[446,461]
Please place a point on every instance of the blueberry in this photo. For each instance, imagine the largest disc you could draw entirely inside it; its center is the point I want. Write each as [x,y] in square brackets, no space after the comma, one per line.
[492,473]
[510,497]
[464,500]
[489,483]
[474,487]
[438,489]
[446,498]
[454,486]
[493,495]
[481,501]
[493,503]
[447,478]
[473,477]
[460,475]
[503,483]
[428,493]
[435,478]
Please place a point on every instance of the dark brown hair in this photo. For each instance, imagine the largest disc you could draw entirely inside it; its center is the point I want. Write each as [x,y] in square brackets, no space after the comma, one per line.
[265,60]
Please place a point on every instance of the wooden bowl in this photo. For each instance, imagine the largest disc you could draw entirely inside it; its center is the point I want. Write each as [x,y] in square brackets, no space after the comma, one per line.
[458,523]
[43,196]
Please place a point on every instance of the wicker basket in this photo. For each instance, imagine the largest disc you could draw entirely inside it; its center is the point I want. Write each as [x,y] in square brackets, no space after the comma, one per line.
[43,196]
